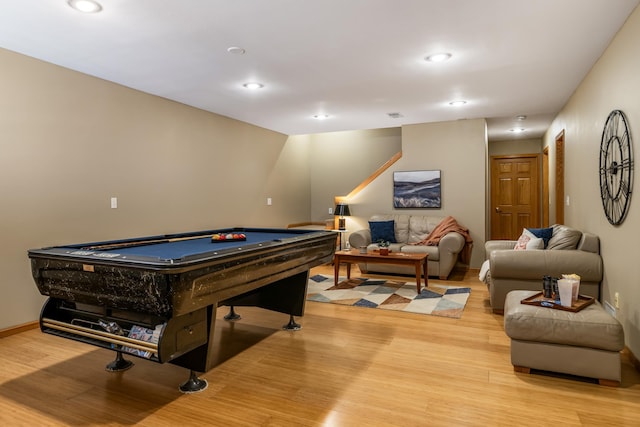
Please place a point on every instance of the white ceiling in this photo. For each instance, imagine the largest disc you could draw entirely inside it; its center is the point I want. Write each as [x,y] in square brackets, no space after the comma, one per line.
[355,60]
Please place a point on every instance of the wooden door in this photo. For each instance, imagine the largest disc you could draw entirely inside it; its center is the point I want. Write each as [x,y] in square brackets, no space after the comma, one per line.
[515,201]
[545,187]
[560,178]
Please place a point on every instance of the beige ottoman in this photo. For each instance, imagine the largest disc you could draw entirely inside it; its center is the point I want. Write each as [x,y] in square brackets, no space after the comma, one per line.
[586,343]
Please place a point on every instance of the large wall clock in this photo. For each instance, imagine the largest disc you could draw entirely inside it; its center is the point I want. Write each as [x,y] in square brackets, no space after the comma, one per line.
[616,167]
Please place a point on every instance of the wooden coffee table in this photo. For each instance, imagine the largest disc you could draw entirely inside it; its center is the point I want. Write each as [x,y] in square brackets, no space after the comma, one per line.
[398,258]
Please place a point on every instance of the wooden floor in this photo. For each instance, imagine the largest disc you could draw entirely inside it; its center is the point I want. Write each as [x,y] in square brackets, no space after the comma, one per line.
[348,366]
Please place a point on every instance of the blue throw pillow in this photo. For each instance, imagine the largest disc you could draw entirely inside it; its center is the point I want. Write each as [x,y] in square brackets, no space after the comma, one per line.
[382,230]
[544,233]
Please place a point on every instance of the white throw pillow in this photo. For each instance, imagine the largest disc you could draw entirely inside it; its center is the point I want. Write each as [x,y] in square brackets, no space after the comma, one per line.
[535,243]
[528,241]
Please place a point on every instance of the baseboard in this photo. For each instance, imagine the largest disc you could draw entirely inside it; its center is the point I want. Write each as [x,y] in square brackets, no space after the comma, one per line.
[20,328]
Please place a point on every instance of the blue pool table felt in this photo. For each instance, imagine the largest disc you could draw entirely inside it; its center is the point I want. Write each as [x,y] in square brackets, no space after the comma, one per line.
[185,248]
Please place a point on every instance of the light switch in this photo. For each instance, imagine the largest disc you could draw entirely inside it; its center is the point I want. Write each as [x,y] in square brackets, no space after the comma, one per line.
[268,201]
[114,203]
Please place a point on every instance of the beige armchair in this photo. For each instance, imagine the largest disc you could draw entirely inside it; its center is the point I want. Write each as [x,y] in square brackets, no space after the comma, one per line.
[569,251]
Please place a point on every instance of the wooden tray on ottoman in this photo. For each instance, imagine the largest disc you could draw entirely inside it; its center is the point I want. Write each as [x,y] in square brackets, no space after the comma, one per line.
[539,300]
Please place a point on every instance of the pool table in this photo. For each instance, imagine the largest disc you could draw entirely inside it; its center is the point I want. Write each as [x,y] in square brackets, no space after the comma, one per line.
[156,297]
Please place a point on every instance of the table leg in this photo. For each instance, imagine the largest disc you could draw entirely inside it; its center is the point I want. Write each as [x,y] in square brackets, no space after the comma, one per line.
[348,270]
[426,274]
[336,270]
[418,284]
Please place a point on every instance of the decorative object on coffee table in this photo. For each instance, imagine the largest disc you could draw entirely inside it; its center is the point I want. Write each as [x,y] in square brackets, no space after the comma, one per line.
[383,246]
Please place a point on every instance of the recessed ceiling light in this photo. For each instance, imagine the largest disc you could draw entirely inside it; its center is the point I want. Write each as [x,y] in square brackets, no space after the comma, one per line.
[236,50]
[517,130]
[253,85]
[438,57]
[85,6]
[457,103]
[321,116]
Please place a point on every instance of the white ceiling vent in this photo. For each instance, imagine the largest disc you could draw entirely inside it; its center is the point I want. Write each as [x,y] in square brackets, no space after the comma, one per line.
[395,115]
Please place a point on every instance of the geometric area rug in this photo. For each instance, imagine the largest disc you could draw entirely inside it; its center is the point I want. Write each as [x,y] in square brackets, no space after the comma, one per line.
[436,300]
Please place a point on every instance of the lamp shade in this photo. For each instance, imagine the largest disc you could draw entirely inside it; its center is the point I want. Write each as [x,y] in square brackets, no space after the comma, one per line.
[342,210]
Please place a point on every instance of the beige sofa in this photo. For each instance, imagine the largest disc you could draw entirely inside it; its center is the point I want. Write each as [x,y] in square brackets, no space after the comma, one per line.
[412,229]
[569,251]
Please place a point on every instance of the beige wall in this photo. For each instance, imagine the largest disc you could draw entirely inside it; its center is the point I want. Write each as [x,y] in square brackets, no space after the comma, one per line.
[516,146]
[70,142]
[613,83]
[456,148]
[340,161]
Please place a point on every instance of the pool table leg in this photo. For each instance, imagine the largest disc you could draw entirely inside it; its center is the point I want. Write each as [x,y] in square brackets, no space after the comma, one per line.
[232,315]
[292,325]
[119,364]
[193,384]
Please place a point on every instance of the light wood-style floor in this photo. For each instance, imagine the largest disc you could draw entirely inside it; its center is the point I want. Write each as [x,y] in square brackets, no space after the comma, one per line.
[348,366]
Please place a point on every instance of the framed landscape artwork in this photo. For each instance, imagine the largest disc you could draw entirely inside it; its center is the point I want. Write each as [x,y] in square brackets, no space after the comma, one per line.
[416,189]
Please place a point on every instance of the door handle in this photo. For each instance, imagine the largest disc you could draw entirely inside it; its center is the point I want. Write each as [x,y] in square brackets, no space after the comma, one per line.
[498,209]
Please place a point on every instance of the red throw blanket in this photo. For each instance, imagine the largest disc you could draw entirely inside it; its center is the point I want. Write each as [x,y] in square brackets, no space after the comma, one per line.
[448,225]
